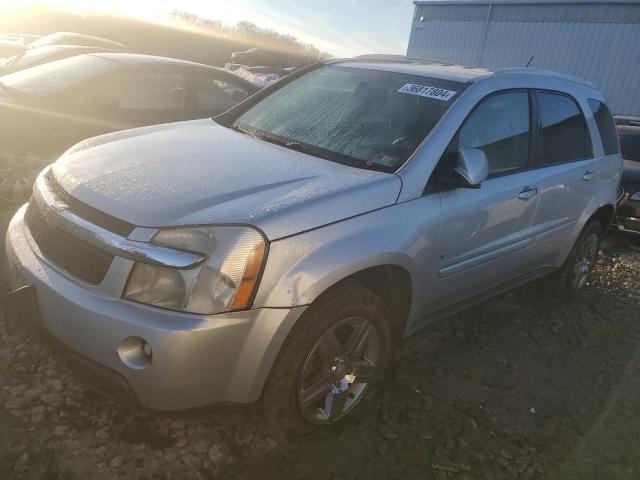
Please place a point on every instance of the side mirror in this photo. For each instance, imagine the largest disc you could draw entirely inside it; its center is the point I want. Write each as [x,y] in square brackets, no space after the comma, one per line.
[472,167]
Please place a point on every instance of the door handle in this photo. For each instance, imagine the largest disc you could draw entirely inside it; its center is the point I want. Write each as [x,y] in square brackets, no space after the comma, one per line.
[527,193]
[588,175]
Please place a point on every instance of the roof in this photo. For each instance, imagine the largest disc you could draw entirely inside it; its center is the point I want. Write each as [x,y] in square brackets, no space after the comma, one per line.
[456,73]
[138,58]
[60,36]
[523,2]
[415,66]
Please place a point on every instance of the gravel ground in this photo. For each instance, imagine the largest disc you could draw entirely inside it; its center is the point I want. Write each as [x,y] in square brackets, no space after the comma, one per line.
[525,386]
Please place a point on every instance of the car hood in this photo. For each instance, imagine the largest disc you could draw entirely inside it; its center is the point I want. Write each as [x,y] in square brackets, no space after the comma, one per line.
[630,174]
[199,172]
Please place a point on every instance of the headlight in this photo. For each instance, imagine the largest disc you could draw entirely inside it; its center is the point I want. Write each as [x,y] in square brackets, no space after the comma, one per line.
[635,196]
[224,282]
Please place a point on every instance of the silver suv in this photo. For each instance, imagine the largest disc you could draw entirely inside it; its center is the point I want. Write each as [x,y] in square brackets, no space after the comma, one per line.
[275,254]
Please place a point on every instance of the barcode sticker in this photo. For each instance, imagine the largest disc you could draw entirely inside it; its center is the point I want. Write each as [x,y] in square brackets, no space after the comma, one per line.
[426,91]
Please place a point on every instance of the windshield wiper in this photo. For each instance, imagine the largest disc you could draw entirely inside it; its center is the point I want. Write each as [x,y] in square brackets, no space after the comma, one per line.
[267,138]
[246,132]
[293,145]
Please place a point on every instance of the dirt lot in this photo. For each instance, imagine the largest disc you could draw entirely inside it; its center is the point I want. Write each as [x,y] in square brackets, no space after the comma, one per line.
[525,386]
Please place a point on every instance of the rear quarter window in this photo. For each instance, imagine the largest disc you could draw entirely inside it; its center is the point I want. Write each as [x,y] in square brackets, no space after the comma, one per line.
[606,127]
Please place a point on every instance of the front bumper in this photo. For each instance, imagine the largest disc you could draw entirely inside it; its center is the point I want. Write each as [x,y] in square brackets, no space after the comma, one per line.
[197,360]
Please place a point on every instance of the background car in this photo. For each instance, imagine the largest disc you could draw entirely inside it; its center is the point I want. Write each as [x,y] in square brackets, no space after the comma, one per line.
[10,45]
[71,38]
[48,53]
[47,108]
[628,214]
[23,38]
[15,44]
[254,57]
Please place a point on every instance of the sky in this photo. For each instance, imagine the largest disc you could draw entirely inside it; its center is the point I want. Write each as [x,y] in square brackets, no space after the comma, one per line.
[340,27]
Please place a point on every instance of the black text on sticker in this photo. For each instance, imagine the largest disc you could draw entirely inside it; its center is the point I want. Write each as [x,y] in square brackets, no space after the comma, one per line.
[426,91]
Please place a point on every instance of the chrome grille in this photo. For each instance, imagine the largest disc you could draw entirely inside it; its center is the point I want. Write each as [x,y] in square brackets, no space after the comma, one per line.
[83,261]
[87,212]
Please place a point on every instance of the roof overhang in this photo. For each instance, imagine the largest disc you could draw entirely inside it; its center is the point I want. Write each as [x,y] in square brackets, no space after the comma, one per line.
[524,2]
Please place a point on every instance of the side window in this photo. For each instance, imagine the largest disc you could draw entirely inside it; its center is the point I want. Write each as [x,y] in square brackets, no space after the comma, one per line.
[606,127]
[500,126]
[564,136]
[143,90]
[217,95]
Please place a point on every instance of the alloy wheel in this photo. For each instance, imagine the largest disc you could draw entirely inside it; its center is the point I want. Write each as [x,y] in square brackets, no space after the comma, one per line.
[338,370]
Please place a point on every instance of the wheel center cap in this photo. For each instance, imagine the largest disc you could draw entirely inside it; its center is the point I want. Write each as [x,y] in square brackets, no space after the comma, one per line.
[341,369]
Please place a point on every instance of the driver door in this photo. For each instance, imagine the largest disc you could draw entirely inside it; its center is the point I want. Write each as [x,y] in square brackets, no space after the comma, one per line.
[485,232]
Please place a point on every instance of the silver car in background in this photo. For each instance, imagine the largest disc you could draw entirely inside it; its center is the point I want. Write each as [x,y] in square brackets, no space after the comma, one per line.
[274,255]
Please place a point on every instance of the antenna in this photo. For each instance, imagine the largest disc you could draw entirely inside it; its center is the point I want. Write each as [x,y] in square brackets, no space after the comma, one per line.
[529,62]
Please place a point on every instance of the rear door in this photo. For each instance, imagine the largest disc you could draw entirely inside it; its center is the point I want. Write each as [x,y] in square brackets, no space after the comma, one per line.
[566,173]
[485,232]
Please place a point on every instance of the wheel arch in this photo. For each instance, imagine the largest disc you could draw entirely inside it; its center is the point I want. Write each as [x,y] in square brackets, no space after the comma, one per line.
[604,214]
[392,283]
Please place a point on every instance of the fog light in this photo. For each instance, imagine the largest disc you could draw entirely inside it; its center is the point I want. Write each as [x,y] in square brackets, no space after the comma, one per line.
[135,352]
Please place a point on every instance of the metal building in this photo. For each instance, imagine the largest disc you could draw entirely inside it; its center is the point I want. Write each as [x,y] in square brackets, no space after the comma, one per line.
[595,40]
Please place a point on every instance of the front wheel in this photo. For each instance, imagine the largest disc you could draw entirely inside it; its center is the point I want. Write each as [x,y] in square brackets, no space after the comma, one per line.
[329,363]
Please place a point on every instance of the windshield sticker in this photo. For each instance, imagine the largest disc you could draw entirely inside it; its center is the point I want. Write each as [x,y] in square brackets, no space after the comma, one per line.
[426,91]
[383,159]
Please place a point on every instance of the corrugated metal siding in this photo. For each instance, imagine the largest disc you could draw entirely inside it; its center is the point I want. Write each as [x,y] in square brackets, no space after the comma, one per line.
[598,42]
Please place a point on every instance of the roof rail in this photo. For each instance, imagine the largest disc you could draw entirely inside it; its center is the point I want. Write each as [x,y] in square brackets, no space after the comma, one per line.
[396,58]
[549,73]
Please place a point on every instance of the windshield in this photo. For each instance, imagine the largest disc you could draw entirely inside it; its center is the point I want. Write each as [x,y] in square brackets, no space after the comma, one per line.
[49,78]
[364,118]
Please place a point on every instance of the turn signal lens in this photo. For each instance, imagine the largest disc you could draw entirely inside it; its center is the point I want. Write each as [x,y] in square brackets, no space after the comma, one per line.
[249,278]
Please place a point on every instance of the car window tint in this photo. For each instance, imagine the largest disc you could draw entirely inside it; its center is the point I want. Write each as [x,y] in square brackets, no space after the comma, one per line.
[500,126]
[564,136]
[606,127]
[150,91]
[218,95]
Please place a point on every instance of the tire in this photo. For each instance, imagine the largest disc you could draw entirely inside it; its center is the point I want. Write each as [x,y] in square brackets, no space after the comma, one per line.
[303,391]
[574,273]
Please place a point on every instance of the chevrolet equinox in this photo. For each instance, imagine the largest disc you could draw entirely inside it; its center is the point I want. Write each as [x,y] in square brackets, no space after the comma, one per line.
[275,254]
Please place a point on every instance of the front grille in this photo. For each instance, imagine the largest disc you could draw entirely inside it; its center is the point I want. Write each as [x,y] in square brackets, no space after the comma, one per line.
[87,212]
[66,251]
